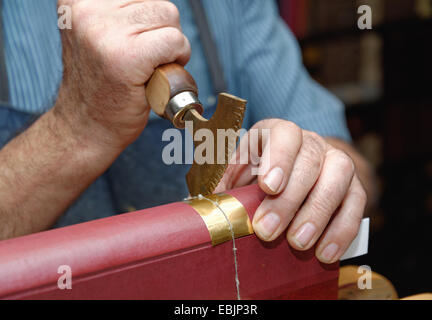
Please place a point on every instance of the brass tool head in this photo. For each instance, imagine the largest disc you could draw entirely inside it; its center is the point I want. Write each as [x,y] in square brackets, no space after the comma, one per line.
[224,125]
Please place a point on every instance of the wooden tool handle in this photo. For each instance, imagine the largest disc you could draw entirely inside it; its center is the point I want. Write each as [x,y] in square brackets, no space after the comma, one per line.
[168,81]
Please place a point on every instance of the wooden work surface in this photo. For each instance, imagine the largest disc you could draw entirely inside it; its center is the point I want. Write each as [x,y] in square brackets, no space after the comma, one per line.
[382,288]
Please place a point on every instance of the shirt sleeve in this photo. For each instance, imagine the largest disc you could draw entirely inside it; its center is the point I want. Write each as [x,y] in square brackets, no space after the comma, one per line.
[273,78]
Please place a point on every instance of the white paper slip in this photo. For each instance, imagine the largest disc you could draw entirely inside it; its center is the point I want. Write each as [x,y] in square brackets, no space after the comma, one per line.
[360,244]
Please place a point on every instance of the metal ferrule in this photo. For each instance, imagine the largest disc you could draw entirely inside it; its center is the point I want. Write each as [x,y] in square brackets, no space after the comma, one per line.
[179,105]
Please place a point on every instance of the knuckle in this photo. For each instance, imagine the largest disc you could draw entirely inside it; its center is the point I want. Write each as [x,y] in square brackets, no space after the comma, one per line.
[311,162]
[174,37]
[170,11]
[154,13]
[283,128]
[343,162]
[140,14]
[304,175]
[291,127]
[187,46]
[315,138]
[265,123]
[287,129]
[316,142]
[313,150]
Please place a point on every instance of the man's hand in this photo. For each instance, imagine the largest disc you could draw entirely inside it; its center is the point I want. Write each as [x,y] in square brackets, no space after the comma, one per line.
[312,189]
[109,54]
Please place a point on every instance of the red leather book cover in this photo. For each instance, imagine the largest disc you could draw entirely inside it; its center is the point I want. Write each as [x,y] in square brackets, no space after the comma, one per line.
[160,253]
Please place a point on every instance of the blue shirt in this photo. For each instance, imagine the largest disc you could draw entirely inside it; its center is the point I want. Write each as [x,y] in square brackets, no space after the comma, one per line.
[261,61]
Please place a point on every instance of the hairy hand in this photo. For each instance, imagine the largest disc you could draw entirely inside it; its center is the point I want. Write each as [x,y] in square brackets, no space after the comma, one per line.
[109,54]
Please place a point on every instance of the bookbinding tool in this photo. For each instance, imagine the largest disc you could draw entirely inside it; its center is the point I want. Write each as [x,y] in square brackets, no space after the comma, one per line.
[173,94]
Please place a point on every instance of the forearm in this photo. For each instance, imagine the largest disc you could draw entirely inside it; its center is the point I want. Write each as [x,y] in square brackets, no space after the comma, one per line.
[42,172]
[363,169]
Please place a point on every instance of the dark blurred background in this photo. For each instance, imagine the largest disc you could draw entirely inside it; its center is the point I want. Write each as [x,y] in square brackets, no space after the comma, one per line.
[383,76]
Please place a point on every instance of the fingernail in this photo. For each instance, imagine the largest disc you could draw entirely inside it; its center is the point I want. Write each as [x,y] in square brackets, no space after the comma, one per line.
[329,252]
[274,178]
[267,225]
[305,235]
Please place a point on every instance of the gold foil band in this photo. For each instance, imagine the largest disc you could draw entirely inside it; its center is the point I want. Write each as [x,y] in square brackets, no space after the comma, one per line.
[214,216]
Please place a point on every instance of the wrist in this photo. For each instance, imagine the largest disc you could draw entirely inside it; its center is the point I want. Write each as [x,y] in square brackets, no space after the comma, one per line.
[84,140]
[83,131]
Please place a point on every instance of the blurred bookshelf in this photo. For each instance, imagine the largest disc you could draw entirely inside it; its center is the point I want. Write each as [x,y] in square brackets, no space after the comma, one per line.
[383,76]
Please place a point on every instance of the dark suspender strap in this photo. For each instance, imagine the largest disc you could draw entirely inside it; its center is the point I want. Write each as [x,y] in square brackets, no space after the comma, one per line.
[209,46]
[4,87]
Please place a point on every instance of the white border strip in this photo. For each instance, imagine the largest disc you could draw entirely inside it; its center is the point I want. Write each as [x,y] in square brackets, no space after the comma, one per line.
[360,244]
